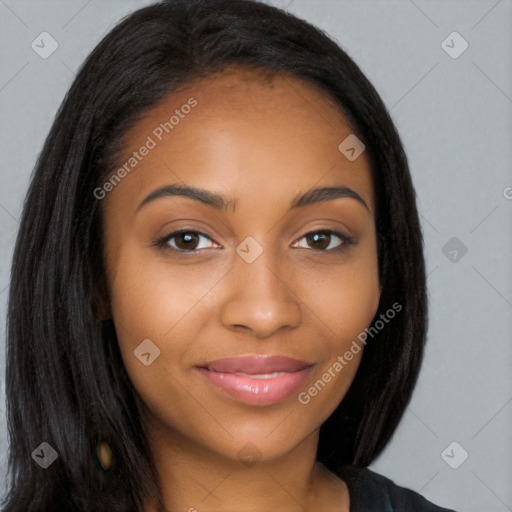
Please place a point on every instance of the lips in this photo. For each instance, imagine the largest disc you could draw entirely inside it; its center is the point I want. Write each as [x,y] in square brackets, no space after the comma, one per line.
[256,380]
[257,365]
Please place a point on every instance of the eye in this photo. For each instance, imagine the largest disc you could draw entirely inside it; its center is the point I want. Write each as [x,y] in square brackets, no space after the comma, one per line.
[322,240]
[184,241]
[190,241]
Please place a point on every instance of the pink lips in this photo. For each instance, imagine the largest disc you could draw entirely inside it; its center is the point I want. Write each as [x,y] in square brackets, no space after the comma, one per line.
[259,380]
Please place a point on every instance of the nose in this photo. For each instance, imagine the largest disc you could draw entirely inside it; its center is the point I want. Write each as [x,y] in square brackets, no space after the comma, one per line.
[261,298]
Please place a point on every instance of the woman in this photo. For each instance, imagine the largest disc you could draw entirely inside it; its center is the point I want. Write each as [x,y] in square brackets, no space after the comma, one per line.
[218,292]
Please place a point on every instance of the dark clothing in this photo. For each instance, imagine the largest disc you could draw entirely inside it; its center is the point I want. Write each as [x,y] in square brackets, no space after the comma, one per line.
[371,492]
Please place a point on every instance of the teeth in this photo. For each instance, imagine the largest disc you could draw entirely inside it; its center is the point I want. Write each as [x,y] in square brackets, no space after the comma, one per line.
[262,376]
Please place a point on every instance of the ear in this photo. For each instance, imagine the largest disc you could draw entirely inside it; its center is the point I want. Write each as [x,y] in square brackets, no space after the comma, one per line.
[101,301]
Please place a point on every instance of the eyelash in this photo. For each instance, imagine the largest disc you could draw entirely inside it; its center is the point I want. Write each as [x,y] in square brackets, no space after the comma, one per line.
[162,243]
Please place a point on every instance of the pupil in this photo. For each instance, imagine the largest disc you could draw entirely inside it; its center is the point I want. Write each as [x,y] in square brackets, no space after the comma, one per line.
[185,238]
[316,237]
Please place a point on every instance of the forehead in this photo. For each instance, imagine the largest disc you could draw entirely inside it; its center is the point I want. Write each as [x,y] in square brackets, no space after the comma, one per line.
[253,125]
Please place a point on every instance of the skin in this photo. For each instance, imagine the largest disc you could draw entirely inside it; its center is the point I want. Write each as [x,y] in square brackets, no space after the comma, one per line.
[260,143]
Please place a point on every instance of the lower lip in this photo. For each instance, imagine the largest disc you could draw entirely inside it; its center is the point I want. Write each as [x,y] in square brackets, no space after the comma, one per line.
[257,391]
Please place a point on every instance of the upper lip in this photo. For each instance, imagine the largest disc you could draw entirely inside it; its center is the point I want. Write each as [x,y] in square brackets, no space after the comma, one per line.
[256,365]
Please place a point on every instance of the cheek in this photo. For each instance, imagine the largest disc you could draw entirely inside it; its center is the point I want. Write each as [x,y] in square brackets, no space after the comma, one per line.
[149,298]
[149,304]
[145,306]
[151,301]
[345,297]
[345,300]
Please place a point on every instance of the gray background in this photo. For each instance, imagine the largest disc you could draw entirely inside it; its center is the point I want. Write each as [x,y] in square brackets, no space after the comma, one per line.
[454,115]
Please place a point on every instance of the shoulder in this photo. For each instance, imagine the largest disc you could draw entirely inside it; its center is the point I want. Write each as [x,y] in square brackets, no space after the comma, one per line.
[371,492]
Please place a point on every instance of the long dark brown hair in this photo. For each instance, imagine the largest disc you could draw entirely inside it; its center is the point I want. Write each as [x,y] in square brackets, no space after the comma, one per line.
[65,381]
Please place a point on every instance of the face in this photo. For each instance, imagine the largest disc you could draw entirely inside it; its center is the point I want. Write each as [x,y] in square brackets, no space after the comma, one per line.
[211,255]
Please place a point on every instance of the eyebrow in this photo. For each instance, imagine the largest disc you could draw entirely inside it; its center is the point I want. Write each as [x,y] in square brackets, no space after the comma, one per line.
[218,201]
